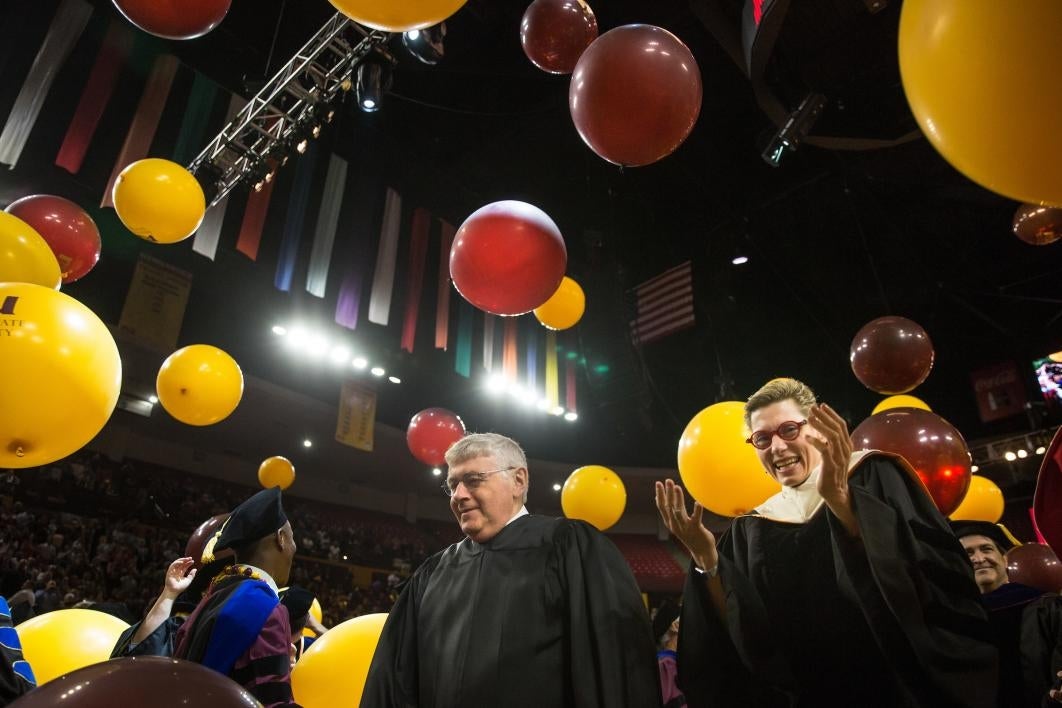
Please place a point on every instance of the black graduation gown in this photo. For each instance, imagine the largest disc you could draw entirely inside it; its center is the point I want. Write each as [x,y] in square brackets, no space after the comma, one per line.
[1027,629]
[546,614]
[160,642]
[816,618]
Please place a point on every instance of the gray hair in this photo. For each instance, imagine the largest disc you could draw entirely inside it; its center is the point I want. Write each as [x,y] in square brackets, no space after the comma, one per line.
[776,391]
[506,451]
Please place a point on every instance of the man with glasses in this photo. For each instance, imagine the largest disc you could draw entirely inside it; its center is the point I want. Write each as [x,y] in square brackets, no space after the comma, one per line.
[844,589]
[527,610]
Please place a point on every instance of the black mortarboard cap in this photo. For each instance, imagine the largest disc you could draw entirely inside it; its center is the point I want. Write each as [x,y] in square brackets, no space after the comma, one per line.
[997,532]
[254,519]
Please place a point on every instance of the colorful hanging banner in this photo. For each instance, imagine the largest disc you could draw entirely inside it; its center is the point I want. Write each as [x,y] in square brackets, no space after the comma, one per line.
[531,373]
[510,367]
[94,98]
[154,307]
[357,416]
[418,253]
[296,217]
[442,301]
[205,242]
[254,217]
[552,382]
[324,235]
[196,117]
[463,351]
[383,277]
[488,341]
[348,306]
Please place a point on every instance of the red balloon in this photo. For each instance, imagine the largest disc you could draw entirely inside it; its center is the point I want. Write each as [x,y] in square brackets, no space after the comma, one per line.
[555,33]
[198,540]
[175,19]
[1035,565]
[932,446]
[635,94]
[1038,225]
[431,433]
[508,258]
[155,681]
[891,355]
[67,228]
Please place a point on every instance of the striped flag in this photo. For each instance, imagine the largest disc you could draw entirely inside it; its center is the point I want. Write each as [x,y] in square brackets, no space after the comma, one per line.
[664,304]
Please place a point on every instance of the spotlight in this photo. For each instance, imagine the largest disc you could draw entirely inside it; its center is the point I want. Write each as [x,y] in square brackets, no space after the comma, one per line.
[373,79]
[1023,453]
[795,129]
[1009,456]
[360,362]
[974,468]
[153,399]
[296,339]
[1041,450]
[316,132]
[301,146]
[496,384]
[317,346]
[394,379]
[740,260]
[340,355]
[377,371]
[426,45]
[571,416]
[436,471]
[279,330]
[307,443]
[556,487]
[542,404]
[556,410]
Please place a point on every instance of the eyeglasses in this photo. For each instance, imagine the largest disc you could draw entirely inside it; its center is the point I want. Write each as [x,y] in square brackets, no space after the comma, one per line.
[471,480]
[788,431]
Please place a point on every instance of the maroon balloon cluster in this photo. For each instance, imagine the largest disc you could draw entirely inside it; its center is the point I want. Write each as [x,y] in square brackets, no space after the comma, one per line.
[1035,565]
[891,355]
[1038,225]
[69,231]
[199,538]
[175,19]
[555,33]
[431,433]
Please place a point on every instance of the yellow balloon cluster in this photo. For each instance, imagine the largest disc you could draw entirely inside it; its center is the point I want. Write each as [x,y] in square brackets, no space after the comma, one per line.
[159,200]
[276,471]
[25,257]
[718,468]
[63,375]
[199,385]
[398,15]
[983,502]
[332,672]
[900,401]
[564,308]
[62,641]
[594,494]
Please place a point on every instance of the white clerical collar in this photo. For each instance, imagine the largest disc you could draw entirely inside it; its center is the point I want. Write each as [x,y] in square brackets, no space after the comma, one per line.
[523,512]
[264,577]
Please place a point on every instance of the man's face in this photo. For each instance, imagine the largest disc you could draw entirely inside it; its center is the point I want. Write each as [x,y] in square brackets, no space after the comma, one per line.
[483,503]
[788,461]
[990,567]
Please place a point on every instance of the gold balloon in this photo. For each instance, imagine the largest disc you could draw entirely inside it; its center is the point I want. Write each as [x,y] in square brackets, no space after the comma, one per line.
[900,401]
[317,614]
[58,642]
[718,468]
[199,384]
[394,16]
[332,672]
[564,308]
[159,200]
[983,502]
[594,494]
[63,375]
[25,257]
[981,77]
[276,472]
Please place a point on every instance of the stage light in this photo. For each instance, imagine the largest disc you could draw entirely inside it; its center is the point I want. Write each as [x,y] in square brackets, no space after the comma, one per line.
[1041,450]
[556,487]
[307,443]
[340,354]
[436,471]
[571,416]
[394,379]
[373,79]
[795,129]
[1009,456]
[279,330]
[153,399]
[740,260]
[556,410]
[316,346]
[1023,454]
[301,146]
[360,362]
[427,45]
[974,468]
[542,404]
[296,338]
[496,384]
[377,371]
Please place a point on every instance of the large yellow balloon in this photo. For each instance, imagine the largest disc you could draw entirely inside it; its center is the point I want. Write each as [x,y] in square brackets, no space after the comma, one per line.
[317,614]
[63,375]
[982,80]
[332,672]
[398,16]
[983,502]
[718,468]
[276,471]
[594,494]
[62,641]
[25,257]
[564,308]
[159,200]
[199,384]
[900,401]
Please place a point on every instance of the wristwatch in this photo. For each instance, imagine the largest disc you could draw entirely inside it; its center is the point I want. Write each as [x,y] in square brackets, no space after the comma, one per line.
[710,573]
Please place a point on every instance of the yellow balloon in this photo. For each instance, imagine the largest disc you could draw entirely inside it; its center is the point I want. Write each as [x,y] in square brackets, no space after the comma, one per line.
[25,257]
[594,494]
[159,200]
[276,472]
[983,502]
[718,468]
[62,641]
[900,401]
[394,16]
[199,384]
[315,612]
[564,308]
[332,672]
[981,77]
[63,375]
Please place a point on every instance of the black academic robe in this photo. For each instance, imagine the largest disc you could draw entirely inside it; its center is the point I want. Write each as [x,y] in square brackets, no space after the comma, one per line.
[1027,629]
[161,642]
[817,618]
[546,614]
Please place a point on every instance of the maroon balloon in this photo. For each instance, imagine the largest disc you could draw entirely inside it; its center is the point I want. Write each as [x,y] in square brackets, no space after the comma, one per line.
[431,433]
[1035,565]
[508,258]
[932,446]
[139,681]
[1038,225]
[198,540]
[69,230]
[555,33]
[175,19]
[635,94]
[891,355]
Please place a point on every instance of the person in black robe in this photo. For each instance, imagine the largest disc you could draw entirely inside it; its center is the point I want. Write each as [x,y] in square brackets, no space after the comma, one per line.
[844,589]
[526,611]
[1026,622]
[155,634]
[16,675]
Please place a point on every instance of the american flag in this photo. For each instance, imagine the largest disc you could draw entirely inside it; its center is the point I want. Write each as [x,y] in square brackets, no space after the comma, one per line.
[664,304]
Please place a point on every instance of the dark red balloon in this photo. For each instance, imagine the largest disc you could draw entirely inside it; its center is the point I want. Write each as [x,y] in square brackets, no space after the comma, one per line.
[431,433]
[1035,565]
[508,258]
[891,355]
[69,230]
[198,540]
[175,19]
[555,33]
[1038,225]
[635,94]
[132,682]
[932,446]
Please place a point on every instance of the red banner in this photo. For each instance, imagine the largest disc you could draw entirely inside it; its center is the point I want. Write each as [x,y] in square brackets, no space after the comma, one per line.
[418,252]
[999,390]
[442,306]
